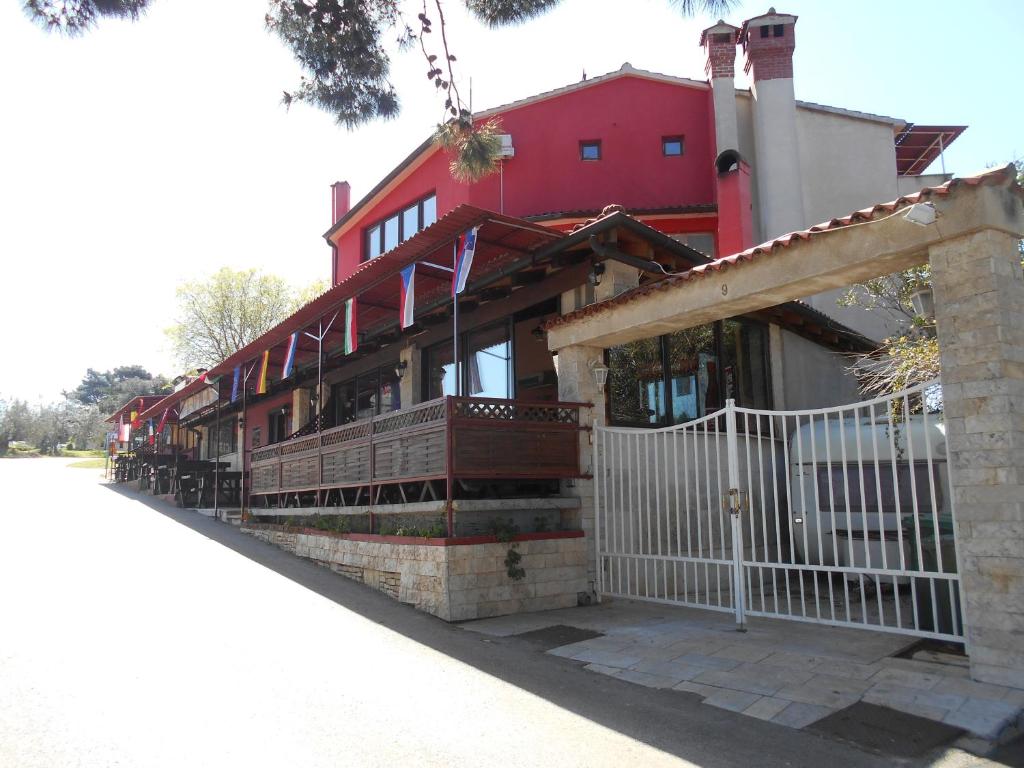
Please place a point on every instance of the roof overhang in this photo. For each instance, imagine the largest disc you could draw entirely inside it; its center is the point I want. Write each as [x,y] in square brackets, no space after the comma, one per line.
[830,255]
[917,146]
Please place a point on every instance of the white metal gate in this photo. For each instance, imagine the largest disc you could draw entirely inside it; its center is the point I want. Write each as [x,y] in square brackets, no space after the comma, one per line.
[836,515]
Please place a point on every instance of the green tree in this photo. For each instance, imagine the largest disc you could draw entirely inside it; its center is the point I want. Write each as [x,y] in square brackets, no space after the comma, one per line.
[912,356]
[341,46]
[218,316]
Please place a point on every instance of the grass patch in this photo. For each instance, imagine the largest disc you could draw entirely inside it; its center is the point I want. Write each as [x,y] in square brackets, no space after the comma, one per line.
[93,454]
[89,464]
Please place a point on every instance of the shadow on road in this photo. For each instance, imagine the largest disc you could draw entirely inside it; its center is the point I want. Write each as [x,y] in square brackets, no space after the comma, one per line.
[672,721]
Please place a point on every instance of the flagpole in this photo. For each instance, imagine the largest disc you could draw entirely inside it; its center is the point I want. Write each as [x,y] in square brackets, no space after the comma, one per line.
[455,316]
[216,462]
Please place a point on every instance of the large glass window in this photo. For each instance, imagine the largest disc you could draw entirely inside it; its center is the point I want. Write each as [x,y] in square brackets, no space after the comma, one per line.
[489,363]
[688,374]
[636,381]
[384,235]
[369,394]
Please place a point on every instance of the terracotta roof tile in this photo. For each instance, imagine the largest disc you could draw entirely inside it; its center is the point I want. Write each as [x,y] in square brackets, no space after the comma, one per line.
[995,176]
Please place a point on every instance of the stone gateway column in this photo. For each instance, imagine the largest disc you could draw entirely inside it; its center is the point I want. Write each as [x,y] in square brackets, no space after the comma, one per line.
[576,383]
[979,308]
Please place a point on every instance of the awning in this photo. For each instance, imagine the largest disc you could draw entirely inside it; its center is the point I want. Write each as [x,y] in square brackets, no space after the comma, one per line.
[917,146]
[139,404]
[375,284]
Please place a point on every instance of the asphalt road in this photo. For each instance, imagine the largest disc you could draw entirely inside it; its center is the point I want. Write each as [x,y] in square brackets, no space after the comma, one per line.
[134,634]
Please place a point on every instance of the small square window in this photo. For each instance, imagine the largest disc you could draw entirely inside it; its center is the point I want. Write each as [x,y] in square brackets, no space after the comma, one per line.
[590,150]
[672,146]
[779,30]
[765,31]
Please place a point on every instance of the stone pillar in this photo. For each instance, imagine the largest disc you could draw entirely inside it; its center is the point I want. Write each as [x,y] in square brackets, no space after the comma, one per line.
[617,277]
[301,413]
[576,384]
[979,307]
[410,386]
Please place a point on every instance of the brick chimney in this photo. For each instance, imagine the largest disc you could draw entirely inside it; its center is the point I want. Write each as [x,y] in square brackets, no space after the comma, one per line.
[341,200]
[769,41]
[719,43]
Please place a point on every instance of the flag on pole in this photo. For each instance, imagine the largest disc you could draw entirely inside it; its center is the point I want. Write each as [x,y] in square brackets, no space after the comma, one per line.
[289,356]
[124,433]
[261,380]
[235,382]
[351,332]
[464,249]
[407,299]
[163,421]
[134,420]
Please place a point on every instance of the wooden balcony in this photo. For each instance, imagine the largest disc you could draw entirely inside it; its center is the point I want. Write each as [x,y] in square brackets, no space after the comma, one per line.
[422,451]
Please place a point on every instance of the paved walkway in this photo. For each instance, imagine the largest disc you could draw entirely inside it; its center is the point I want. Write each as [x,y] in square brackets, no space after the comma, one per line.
[789,673]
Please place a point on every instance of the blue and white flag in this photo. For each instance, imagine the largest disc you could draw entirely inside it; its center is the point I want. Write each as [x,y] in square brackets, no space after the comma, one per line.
[235,382]
[289,356]
[407,297]
[464,249]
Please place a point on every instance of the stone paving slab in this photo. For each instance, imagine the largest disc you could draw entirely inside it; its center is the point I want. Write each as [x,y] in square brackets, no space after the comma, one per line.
[789,673]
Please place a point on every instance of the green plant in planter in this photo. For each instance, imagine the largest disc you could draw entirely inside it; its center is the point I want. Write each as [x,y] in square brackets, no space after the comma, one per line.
[505,532]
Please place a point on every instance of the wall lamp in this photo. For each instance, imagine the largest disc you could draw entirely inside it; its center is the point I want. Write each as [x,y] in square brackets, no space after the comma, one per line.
[600,371]
[596,273]
[401,368]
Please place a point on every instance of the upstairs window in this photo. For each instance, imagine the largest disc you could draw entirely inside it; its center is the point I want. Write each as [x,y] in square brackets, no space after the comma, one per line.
[590,150]
[384,235]
[672,146]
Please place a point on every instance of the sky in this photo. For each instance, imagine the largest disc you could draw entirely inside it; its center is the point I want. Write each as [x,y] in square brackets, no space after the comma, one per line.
[143,155]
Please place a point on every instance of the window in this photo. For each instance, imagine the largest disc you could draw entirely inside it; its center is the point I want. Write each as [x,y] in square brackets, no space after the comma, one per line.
[672,146]
[779,30]
[223,440]
[688,374]
[368,394]
[384,235]
[590,150]
[279,425]
[765,30]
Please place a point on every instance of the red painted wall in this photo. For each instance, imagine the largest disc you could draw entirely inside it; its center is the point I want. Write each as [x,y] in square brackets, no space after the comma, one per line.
[629,115]
[256,415]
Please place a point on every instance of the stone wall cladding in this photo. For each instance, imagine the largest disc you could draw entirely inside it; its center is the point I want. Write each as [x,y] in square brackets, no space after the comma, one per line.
[455,583]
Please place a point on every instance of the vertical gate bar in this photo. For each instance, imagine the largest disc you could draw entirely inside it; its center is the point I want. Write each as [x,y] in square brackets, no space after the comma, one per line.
[701,512]
[764,511]
[912,479]
[846,503]
[931,477]
[806,516]
[818,518]
[775,497]
[832,513]
[896,498]
[721,521]
[863,508]
[878,484]
[686,501]
[736,527]
[637,518]
[622,512]
[790,521]
[667,546]
[893,451]
[750,493]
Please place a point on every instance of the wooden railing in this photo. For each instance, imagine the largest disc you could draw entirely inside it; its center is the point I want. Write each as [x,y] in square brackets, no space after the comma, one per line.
[443,439]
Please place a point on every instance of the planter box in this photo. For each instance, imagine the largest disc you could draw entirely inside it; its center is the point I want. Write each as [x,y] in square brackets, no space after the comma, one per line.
[455,579]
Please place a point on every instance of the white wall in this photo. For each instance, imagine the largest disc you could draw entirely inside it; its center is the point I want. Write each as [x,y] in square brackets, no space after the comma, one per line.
[813,376]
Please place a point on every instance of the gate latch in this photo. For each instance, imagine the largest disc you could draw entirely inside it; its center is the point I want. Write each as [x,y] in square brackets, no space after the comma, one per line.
[737,501]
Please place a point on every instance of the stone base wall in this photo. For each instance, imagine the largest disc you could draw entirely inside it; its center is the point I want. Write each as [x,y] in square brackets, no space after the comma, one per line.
[451,579]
